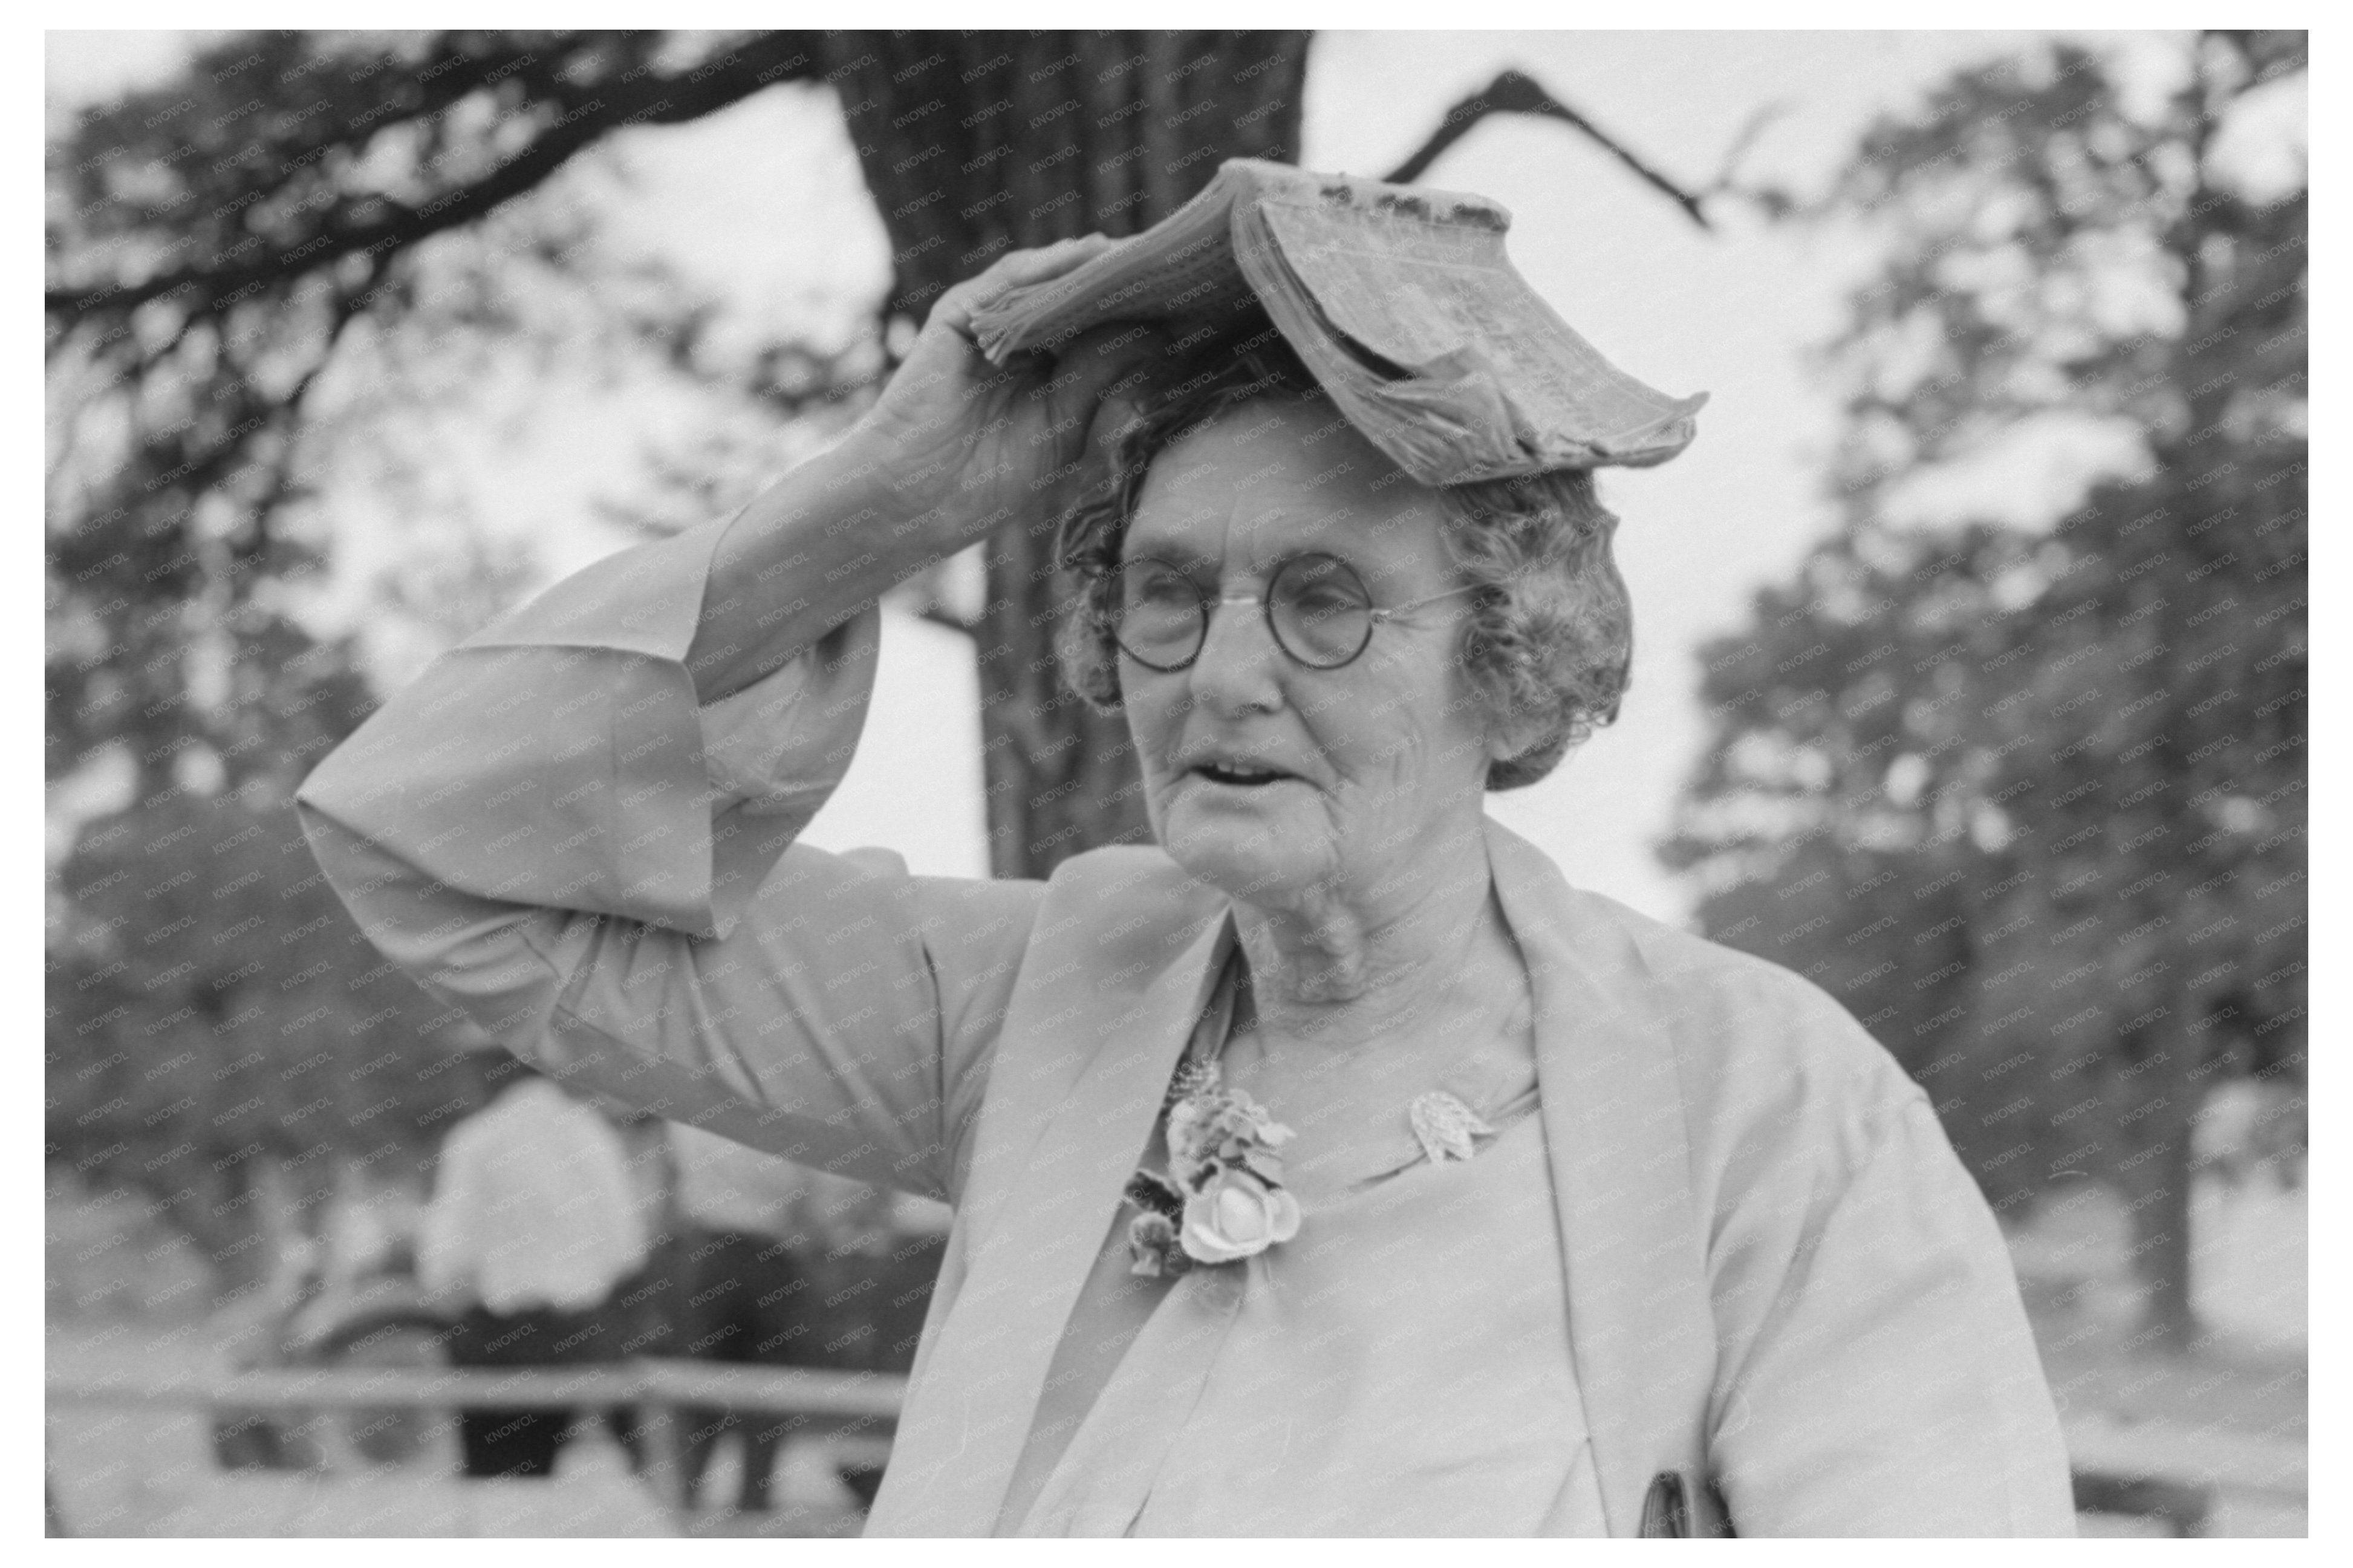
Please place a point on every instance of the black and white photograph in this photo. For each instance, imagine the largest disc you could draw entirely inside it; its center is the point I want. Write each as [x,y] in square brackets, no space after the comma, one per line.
[1358,783]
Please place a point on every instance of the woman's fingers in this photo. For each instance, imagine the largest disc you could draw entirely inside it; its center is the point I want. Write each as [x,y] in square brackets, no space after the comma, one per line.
[944,390]
[974,439]
[1019,267]
[1011,270]
[1100,369]
[1035,265]
[1094,392]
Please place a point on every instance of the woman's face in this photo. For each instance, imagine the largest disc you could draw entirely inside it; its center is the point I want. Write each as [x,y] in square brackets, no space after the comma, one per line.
[1348,778]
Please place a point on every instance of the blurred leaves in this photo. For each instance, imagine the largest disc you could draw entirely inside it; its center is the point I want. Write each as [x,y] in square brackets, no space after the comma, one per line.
[2031,802]
[267,278]
[260,262]
[2049,242]
[211,1007]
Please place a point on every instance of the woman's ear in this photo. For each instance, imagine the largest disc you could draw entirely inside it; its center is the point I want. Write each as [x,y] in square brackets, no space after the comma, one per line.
[1510,736]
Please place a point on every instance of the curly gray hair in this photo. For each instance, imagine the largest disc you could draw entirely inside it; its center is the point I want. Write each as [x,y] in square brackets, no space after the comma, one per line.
[1550,639]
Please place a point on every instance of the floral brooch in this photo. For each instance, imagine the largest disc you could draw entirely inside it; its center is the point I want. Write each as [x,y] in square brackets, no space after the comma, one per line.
[1222,1199]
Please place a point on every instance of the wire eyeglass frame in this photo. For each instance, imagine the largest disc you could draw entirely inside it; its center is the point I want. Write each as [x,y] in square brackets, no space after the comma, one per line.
[1374,614]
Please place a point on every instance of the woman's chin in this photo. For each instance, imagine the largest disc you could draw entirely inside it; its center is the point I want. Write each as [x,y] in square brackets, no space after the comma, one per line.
[1257,861]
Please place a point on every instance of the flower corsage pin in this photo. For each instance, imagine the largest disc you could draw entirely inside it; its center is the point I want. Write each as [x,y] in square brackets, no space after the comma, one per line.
[1222,1199]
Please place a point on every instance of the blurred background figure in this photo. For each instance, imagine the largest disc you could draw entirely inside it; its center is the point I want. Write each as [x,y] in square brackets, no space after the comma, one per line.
[260,1331]
[744,1298]
[780,1265]
[325,1307]
[532,1230]
[373,1312]
[877,1256]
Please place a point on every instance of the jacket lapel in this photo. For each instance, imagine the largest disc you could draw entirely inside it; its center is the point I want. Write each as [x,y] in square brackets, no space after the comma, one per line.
[1639,1325]
[1073,1103]
[1073,1096]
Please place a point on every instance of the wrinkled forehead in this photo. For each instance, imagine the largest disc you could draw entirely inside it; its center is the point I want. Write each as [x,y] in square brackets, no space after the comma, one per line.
[1274,477]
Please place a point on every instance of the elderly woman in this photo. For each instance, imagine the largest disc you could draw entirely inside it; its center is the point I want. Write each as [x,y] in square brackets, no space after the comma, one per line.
[1331,1167]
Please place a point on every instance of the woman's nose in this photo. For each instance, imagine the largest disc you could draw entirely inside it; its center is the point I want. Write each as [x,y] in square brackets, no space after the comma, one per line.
[1240,665]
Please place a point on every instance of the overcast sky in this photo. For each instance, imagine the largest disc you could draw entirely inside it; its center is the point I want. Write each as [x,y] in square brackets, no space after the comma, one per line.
[1732,312]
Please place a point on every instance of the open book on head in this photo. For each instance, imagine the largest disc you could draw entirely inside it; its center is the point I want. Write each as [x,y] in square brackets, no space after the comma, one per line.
[1401,301]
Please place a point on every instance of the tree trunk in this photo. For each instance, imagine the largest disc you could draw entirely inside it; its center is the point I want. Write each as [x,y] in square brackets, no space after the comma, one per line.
[975,143]
[2163,1101]
[2161,1240]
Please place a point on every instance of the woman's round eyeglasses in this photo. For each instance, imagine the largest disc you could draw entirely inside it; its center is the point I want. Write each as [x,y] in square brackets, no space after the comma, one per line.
[1318,609]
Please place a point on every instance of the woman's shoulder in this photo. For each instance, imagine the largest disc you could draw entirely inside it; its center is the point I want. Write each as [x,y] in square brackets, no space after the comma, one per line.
[1757,1047]
[1715,981]
[1122,895]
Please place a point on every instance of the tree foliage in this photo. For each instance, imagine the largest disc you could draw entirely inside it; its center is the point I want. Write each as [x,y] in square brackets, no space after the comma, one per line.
[2032,802]
[217,246]
[213,1014]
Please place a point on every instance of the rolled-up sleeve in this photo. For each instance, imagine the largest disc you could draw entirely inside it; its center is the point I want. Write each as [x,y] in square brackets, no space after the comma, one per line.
[547,830]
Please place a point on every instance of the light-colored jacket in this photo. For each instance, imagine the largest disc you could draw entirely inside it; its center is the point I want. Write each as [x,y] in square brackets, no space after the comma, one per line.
[1778,1275]
[531,1206]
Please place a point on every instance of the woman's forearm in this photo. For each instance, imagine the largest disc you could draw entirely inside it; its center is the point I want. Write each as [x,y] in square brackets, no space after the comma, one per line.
[812,550]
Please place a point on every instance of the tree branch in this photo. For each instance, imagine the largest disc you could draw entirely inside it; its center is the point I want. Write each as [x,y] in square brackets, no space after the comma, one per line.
[587,114]
[1514,93]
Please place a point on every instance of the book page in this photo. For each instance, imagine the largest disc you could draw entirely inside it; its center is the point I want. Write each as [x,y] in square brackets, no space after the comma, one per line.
[1421,294]
[1402,302]
[1183,263]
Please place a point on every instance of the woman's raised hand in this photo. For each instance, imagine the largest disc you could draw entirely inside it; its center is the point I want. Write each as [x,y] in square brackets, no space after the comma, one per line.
[963,446]
[954,450]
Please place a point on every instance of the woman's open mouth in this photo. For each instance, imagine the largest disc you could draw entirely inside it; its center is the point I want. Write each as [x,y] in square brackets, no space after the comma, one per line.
[1240,775]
